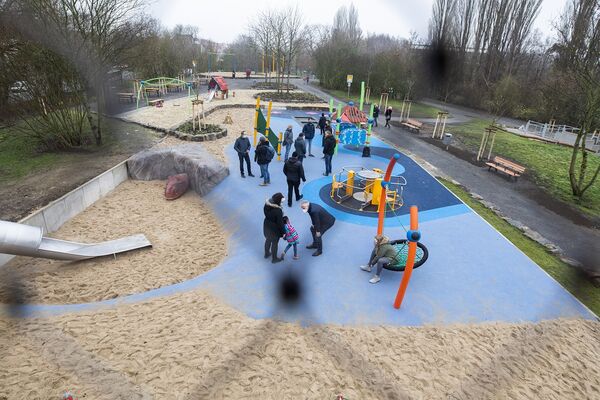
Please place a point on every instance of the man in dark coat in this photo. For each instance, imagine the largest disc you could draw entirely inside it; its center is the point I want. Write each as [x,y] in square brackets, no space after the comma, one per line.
[263,154]
[300,147]
[388,117]
[321,222]
[294,172]
[273,226]
[328,151]
[309,133]
[242,147]
[375,114]
[322,123]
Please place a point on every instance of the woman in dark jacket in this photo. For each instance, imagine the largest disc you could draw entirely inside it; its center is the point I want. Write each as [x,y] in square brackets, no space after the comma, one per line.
[273,226]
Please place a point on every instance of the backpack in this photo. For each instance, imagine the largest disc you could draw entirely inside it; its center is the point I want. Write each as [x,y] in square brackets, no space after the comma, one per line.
[271,152]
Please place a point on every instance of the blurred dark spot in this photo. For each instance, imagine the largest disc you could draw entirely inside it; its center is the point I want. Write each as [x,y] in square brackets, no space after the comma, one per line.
[290,289]
[438,62]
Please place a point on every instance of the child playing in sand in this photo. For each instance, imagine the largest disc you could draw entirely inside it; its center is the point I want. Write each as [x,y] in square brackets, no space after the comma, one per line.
[292,238]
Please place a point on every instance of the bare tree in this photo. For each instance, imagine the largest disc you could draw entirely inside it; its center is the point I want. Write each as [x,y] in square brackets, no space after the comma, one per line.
[295,38]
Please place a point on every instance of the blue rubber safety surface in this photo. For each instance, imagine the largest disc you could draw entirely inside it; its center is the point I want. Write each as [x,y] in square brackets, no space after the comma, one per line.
[473,273]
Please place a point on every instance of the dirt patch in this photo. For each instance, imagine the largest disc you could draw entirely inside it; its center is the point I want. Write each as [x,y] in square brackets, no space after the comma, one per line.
[23,196]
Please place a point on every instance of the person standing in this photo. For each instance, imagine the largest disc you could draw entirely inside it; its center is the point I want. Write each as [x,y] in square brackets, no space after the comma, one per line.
[309,133]
[263,154]
[375,114]
[294,172]
[242,147]
[273,226]
[322,123]
[328,150]
[288,141]
[321,221]
[300,147]
[388,117]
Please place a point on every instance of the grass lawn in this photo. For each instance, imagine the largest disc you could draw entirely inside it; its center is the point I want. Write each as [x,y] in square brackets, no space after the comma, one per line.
[547,163]
[417,110]
[567,276]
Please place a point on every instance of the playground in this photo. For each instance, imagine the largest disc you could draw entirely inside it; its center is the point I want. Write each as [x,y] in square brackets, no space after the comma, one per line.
[204,307]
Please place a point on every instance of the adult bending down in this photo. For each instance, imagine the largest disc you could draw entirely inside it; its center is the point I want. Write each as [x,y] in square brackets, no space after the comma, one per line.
[383,254]
[273,226]
[321,222]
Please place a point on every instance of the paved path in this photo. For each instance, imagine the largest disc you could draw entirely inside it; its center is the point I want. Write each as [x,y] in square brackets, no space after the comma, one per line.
[577,242]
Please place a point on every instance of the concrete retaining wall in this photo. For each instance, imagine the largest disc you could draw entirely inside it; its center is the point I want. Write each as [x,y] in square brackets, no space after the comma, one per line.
[55,214]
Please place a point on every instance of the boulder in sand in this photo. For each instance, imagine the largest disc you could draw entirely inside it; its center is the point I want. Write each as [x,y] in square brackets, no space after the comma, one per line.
[204,172]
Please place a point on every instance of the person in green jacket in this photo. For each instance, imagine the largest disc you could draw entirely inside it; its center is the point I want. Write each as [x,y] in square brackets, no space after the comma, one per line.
[383,254]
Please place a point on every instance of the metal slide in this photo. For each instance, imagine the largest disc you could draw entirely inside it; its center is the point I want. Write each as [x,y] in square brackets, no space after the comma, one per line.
[211,95]
[25,240]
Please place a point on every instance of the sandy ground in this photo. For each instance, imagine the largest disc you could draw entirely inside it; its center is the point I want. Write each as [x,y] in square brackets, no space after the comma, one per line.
[177,111]
[187,241]
[191,346]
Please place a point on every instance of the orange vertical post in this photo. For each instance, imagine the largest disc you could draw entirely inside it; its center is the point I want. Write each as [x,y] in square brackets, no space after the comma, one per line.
[410,261]
[382,198]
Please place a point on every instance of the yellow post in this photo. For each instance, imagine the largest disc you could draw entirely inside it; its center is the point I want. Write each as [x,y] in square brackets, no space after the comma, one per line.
[350,183]
[376,191]
[257,109]
[268,119]
[279,146]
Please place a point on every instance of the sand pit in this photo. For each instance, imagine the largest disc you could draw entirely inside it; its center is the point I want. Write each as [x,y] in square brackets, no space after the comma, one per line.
[187,241]
[190,346]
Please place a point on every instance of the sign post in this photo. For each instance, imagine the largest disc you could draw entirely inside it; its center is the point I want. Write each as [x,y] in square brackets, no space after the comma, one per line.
[349,81]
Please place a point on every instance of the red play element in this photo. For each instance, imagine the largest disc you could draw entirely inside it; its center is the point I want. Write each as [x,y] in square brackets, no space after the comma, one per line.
[220,82]
[177,185]
[353,115]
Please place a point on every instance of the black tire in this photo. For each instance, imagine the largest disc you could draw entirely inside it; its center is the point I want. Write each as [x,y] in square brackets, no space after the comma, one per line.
[418,263]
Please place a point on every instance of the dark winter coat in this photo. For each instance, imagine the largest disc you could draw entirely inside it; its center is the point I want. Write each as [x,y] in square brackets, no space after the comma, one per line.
[388,114]
[329,144]
[262,154]
[320,218]
[322,122]
[242,145]
[273,225]
[376,112]
[293,170]
[300,147]
[309,130]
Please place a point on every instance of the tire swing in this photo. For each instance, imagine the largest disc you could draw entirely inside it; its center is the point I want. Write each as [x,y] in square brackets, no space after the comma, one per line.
[401,247]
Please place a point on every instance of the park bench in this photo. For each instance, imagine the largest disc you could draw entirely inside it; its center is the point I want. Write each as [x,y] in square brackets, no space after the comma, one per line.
[150,91]
[412,124]
[506,166]
[156,103]
[126,97]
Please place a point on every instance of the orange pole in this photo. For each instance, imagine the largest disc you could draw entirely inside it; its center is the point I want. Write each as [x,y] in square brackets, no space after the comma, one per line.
[410,261]
[383,197]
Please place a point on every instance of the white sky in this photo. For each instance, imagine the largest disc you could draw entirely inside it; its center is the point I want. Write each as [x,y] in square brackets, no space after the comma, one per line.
[223,20]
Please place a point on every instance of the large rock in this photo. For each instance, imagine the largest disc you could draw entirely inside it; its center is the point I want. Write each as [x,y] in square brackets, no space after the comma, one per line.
[203,170]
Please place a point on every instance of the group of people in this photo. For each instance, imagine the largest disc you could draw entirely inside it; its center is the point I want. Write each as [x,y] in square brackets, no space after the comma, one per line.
[277,226]
[387,114]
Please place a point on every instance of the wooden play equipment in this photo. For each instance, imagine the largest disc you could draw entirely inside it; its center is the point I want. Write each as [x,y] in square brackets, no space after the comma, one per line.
[440,122]
[218,84]
[157,87]
[508,167]
[228,120]
[383,98]
[487,142]
[197,108]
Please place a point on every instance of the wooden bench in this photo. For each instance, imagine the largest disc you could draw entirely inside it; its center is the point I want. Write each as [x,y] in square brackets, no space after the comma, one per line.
[506,166]
[412,124]
[126,97]
[150,91]
[156,103]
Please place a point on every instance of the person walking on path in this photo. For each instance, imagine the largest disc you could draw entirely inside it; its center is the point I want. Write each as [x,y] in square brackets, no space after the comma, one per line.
[375,114]
[383,254]
[388,117]
[242,147]
[300,147]
[309,133]
[292,238]
[263,154]
[294,172]
[288,141]
[321,221]
[322,123]
[273,226]
[328,151]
